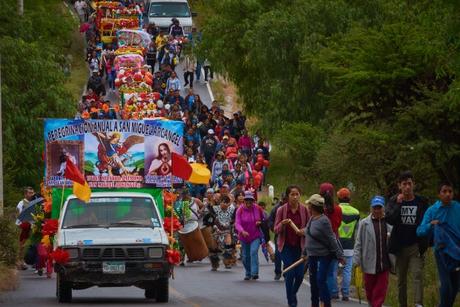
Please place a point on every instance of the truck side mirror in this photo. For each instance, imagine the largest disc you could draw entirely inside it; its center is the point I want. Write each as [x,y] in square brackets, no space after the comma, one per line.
[194,14]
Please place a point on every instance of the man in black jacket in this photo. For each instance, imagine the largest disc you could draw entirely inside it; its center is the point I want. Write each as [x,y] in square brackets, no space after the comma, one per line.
[405,212]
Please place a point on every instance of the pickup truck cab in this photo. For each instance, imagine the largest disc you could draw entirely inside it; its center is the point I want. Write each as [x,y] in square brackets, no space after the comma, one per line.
[161,12]
[115,240]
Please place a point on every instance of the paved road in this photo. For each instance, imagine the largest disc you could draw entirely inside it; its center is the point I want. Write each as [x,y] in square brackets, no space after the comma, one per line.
[194,285]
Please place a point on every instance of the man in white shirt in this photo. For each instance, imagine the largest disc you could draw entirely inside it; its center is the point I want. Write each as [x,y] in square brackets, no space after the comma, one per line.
[29,194]
[80,7]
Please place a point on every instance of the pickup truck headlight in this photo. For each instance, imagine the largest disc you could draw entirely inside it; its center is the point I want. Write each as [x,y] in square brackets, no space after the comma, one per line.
[155,252]
[73,253]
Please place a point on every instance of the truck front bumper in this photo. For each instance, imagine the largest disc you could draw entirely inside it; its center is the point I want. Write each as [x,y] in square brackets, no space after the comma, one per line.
[137,273]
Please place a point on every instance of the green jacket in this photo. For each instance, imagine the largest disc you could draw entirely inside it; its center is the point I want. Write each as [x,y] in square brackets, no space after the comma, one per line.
[348,226]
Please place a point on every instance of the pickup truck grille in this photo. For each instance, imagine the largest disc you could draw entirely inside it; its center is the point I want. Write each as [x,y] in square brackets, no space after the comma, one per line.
[113,253]
[136,253]
[91,253]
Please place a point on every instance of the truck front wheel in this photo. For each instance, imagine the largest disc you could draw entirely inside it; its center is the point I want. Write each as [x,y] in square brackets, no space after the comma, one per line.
[162,290]
[63,289]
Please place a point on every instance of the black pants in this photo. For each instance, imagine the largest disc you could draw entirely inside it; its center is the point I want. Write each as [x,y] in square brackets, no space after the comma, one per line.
[152,63]
[188,77]
[208,70]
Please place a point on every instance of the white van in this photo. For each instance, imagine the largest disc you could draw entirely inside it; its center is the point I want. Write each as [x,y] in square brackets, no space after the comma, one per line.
[161,12]
[115,240]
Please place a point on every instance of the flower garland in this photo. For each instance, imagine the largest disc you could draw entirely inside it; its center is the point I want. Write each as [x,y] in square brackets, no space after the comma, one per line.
[171,225]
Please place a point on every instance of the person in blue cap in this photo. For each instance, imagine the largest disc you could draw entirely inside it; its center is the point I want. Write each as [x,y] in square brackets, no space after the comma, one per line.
[371,252]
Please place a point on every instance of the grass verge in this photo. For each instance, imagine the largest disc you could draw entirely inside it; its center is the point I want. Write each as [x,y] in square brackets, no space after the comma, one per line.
[8,278]
[79,70]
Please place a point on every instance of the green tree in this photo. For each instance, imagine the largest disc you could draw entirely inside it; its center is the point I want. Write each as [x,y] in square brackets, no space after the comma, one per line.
[32,49]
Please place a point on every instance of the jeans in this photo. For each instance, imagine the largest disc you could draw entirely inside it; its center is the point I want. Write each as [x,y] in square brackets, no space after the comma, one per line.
[346,278]
[277,258]
[332,278]
[450,282]
[376,286]
[409,258]
[319,267]
[251,257]
[292,279]
[198,71]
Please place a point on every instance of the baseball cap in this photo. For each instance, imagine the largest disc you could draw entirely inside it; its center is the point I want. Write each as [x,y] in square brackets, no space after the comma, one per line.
[225,186]
[316,200]
[343,193]
[248,195]
[210,190]
[377,201]
[211,131]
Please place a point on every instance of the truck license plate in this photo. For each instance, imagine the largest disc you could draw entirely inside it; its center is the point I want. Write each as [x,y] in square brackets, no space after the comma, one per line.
[113,267]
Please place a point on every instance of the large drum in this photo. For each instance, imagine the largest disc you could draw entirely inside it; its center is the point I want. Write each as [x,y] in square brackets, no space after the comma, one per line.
[211,243]
[193,242]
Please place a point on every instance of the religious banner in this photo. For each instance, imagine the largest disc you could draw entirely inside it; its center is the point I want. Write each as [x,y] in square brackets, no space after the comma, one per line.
[113,153]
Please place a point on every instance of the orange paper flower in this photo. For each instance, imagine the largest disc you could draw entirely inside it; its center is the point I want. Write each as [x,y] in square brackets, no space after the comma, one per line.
[105,108]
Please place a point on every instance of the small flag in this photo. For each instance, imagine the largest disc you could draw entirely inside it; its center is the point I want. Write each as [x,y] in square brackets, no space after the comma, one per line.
[81,188]
[195,173]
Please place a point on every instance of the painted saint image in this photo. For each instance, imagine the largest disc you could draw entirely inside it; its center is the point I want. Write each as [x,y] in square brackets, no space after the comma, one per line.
[112,152]
[64,155]
[161,165]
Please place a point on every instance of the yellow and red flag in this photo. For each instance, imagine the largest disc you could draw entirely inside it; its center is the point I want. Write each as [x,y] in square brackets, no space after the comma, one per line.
[195,173]
[81,188]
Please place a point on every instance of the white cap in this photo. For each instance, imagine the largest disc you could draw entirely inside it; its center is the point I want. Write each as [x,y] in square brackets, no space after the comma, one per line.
[167,106]
[210,131]
[160,103]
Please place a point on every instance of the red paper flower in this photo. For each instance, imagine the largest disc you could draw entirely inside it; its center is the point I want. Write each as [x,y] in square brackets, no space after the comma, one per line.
[50,227]
[60,256]
[173,256]
[176,225]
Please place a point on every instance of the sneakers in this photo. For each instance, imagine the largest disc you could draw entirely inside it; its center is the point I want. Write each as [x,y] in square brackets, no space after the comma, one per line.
[255,277]
[247,278]
[345,298]
[278,276]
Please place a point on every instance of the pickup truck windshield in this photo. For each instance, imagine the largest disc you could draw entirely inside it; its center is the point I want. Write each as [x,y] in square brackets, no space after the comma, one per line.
[110,212]
[169,9]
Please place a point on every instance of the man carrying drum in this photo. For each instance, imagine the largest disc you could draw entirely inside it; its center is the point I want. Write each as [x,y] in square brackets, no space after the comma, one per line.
[188,209]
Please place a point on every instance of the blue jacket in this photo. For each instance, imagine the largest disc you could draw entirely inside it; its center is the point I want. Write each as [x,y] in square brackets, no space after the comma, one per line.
[445,214]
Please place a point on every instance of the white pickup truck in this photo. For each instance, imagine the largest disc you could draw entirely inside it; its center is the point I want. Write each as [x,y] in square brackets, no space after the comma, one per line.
[161,12]
[115,240]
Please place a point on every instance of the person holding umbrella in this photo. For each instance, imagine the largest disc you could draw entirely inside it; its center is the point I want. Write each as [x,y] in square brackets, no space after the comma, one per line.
[248,219]
[291,219]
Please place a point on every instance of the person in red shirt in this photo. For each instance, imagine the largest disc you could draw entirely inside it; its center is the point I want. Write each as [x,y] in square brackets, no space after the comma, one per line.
[334,214]
[291,242]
